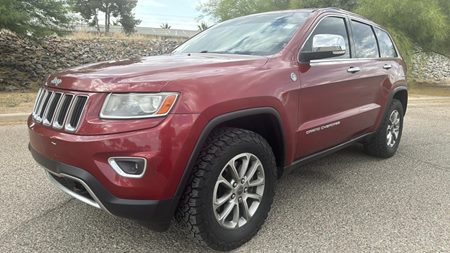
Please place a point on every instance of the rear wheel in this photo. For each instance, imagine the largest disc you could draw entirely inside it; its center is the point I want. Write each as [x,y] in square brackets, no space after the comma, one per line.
[231,189]
[385,142]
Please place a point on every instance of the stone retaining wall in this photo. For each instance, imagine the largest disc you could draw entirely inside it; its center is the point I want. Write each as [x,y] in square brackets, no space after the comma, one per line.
[24,64]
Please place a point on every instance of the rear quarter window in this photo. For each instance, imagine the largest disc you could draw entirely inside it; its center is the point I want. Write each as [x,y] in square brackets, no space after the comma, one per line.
[387,48]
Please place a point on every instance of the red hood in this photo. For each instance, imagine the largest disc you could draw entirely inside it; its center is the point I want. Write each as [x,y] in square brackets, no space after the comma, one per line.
[150,73]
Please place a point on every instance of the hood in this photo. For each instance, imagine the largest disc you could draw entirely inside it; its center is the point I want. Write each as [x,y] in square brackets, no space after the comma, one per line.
[150,73]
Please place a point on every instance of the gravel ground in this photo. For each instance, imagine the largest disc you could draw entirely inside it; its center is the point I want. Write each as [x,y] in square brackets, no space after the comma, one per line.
[346,202]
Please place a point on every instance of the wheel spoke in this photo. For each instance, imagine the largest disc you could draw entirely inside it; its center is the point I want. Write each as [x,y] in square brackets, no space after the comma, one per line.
[389,138]
[244,166]
[245,210]
[236,215]
[225,182]
[254,196]
[226,212]
[252,170]
[222,200]
[256,182]
[396,133]
[234,172]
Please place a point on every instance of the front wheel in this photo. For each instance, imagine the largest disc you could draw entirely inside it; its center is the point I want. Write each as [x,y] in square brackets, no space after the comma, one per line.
[386,140]
[231,189]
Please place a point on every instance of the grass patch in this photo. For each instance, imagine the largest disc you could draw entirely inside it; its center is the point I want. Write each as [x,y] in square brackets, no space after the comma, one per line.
[23,102]
[428,89]
[15,102]
[80,35]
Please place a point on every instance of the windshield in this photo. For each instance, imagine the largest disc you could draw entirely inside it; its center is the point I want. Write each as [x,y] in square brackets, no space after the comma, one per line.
[262,34]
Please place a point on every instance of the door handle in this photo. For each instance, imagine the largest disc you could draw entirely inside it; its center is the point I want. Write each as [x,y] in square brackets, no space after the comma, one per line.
[353,70]
[387,66]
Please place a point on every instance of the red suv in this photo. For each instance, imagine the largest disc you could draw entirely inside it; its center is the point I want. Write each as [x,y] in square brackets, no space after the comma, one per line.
[203,133]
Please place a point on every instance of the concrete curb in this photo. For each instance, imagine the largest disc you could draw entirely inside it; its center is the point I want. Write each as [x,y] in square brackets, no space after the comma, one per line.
[14,117]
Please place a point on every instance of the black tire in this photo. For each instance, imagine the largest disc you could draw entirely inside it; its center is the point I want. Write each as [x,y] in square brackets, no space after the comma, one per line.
[196,213]
[378,145]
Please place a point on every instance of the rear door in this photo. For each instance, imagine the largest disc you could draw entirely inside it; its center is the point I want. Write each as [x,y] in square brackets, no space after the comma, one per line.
[339,97]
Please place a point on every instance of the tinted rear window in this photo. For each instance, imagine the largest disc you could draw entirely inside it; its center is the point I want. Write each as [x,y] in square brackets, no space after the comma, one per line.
[365,40]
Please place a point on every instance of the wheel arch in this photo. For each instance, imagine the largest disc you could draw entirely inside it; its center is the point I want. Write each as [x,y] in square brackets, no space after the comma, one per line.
[244,119]
[401,94]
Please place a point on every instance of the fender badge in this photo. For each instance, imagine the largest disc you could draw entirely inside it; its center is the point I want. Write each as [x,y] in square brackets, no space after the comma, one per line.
[294,77]
[56,81]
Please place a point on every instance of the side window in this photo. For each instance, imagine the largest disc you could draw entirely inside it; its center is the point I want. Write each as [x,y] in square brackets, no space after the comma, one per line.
[387,48]
[330,25]
[365,41]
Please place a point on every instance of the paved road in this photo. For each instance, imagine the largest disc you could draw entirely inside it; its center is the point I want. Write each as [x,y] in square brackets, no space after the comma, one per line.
[347,202]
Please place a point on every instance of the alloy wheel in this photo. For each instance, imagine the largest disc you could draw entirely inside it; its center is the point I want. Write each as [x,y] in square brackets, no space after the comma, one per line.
[238,191]
[393,129]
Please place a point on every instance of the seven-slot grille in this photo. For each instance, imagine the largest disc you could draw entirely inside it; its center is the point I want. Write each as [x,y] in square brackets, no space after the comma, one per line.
[59,110]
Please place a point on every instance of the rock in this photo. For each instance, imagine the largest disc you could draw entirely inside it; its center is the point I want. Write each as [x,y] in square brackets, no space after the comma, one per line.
[430,67]
[25,64]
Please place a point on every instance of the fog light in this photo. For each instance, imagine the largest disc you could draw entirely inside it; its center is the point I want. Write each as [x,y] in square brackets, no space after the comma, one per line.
[133,167]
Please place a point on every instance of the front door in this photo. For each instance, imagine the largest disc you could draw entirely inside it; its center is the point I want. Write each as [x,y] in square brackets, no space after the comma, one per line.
[337,95]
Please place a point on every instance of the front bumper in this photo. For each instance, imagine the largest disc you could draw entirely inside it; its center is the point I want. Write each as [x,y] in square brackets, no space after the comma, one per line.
[166,150]
[156,213]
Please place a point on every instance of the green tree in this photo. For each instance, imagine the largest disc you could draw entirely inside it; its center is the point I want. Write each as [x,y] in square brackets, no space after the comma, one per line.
[343,4]
[129,23]
[227,9]
[112,9]
[410,22]
[34,17]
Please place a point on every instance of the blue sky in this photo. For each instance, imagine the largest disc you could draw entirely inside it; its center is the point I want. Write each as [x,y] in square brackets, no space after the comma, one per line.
[180,14]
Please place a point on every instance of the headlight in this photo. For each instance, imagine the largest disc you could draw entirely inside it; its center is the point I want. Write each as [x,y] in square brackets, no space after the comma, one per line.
[137,105]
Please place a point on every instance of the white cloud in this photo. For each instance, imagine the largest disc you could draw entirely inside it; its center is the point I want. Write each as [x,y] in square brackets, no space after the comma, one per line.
[152,3]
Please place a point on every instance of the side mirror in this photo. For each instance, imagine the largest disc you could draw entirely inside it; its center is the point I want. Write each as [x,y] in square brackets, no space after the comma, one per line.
[325,46]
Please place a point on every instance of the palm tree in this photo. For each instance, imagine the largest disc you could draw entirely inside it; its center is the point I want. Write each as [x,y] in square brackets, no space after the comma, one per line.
[165,26]
[203,26]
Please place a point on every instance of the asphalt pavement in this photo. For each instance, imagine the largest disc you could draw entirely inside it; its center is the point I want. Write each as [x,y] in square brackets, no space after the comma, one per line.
[346,202]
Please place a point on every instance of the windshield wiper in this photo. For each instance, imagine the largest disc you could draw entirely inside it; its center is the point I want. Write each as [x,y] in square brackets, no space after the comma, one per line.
[214,52]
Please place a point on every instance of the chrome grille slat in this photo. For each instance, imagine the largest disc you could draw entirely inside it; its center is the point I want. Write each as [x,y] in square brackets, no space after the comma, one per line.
[59,110]
[51,108]
[38,99]
[63,111]
[42,105]
[75,113]
[47,106]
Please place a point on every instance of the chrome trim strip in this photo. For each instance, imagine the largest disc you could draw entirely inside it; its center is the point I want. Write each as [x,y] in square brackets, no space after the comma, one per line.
[95,202]
[122,173]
